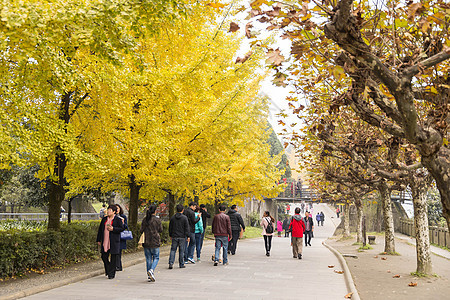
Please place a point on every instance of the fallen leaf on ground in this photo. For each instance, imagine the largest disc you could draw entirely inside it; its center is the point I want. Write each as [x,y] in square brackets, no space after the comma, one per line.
[330,267]
[389,271]
[384,252]
[396,276]
[383,258]
[348,296]
[376,256]
[339,272]
[412,284]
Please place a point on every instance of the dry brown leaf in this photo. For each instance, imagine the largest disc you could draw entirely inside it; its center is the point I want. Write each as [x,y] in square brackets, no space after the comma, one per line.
[330,267]
[339,272]
[243,59]
[412,284]
[389,271]
[396,276]
[348,296]
[383,258]
[376,256]
[233,27]
[274,57]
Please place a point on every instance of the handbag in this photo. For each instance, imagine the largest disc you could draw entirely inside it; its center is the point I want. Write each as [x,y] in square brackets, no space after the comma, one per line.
[126,235]
[142,238]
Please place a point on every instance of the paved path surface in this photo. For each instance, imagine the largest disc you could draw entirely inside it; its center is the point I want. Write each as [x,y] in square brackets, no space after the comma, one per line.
[249,275]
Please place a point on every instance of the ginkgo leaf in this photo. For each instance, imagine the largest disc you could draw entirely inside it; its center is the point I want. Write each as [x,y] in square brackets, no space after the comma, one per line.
[412,284]
[216,5]
[396,276]
[348,296]
[338,271]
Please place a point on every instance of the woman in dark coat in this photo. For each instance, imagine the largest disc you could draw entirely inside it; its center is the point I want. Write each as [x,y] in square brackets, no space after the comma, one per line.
[123,243]
[151,227]
[108,238]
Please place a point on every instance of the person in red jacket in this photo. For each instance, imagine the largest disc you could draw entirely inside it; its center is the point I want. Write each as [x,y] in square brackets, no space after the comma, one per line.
[297,227]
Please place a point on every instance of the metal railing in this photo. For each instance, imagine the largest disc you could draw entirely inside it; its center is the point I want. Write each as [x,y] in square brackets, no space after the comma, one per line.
[44,216]
[438,235]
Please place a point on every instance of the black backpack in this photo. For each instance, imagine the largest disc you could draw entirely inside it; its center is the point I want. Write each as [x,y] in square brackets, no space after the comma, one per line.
[269,228]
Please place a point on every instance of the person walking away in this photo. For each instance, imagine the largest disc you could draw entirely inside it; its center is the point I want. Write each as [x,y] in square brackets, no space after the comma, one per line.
[318,219]
[102,211]
[178,232]
[297,227]
[123,243]
[338,211]
[205,215]
[279,227]
[190,246]
[108,238]
[152,228]
[236,224]
[322,218]
[286,224]
[198,232]
[309,228]
[221,228]
[267,232]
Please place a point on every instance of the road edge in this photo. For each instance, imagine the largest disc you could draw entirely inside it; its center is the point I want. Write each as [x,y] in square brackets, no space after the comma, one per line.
[347,275]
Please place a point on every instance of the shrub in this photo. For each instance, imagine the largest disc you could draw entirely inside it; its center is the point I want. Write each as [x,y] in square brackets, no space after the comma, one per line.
[23,250]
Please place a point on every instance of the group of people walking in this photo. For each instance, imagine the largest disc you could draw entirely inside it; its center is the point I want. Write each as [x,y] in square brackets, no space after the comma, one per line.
[299,228]
[187,230]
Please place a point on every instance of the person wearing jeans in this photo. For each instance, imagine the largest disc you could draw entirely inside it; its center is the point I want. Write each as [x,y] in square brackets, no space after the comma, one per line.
[190,243]
[151,227]
[205,215]
[221,228]
[198,233]
[178,232]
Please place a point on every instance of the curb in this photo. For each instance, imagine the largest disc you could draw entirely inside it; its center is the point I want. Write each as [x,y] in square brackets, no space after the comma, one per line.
[57,284]
[348,276]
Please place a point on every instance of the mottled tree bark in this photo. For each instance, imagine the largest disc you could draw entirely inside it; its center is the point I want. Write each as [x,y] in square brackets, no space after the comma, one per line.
[359,221]
[389,241]
[346,219]
[419,193]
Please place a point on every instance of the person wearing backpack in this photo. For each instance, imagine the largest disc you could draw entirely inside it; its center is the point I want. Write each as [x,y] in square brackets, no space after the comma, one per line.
[268,228]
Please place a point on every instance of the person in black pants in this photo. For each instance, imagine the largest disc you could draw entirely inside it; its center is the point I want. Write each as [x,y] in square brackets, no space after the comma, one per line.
[108,238]
[179,233]
[309,228]
[267,234]
[236,223]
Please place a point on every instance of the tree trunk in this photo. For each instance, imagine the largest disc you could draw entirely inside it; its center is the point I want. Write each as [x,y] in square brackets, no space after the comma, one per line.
[359,221]
[389,242]
[439,167]
[346,217]
[379,216]
[57,188]
[171,200]
[134,203]
[419,193]
[57,193]
[69,211]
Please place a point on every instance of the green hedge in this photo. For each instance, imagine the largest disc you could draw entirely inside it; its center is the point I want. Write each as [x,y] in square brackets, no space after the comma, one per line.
[34,251]
[24,248]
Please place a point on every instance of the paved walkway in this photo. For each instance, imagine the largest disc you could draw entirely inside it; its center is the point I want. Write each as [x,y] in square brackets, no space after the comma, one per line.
[250,274]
